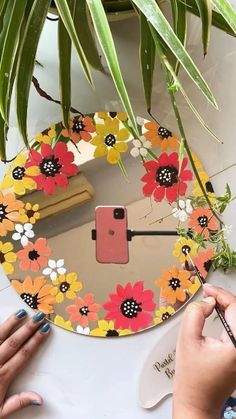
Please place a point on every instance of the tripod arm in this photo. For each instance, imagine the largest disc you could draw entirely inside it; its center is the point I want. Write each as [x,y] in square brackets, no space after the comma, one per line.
[133,233]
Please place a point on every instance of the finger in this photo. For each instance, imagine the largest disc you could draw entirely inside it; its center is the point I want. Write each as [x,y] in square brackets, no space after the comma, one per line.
[230,317]
[11,345]
[25,353]
[194,318]
[223,297]
[11,323]
[18,402]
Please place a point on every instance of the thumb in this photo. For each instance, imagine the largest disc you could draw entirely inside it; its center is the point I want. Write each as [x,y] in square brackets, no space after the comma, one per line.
[194,318]
[18,402]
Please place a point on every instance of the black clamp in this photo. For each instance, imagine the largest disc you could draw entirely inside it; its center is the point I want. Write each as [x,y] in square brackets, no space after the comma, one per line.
[132,233]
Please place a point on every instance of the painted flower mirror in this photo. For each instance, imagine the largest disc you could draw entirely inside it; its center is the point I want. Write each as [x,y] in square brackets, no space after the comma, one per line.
[47,208]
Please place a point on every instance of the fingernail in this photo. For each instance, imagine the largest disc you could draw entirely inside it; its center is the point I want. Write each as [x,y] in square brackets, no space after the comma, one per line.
[36,403]
[39,316]
[44,328]
[209,300]
[21,313]
[207,285]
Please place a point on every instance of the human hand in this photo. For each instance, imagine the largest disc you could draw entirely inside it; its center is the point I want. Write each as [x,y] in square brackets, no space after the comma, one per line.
[205,374]
[19,341]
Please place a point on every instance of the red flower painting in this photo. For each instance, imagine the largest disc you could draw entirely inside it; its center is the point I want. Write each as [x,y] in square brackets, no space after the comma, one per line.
[203,221]
[130,307]
[84,310]
[203,261]
[55,165]
[34,255]
[163,178]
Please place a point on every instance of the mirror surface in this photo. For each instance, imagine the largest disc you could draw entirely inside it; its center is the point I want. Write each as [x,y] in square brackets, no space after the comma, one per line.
[51,258]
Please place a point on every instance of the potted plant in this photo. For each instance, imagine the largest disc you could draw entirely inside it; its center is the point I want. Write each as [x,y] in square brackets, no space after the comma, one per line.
[21,24]
[115,10]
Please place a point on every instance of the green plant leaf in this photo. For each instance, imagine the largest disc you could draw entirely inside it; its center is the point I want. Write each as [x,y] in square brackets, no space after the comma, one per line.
[13,72]
[64,12]
[2,138]
[2,5]
[9,51]
[64,47]
[147,52]
[174,8]
[107,44]
[181,154]
[152,154]
[205,11]
[162,26]
[217,20]
[27,55]
[83,30]
[5,18]
[178,85]
[227,11]
[180,24]
[122,168]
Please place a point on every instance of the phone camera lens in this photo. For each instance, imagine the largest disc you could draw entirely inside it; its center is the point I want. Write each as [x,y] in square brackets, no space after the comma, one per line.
[119,214]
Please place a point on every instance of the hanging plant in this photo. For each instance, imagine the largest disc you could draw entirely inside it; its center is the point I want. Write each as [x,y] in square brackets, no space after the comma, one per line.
[21,24]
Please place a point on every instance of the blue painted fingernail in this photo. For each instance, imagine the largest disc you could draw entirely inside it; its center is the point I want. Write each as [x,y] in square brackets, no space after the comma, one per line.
[36,403]
[38,317]
[21,313]
[44,328]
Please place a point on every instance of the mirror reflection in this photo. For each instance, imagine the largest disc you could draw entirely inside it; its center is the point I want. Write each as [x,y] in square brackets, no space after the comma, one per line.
[107,284]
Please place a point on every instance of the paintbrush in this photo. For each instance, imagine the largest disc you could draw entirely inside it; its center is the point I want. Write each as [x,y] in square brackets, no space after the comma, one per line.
[217,306]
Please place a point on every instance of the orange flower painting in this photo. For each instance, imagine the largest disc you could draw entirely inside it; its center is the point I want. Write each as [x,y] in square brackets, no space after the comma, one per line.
[160,136]
[9,212]
[34,255]
[36,293]
[174,284]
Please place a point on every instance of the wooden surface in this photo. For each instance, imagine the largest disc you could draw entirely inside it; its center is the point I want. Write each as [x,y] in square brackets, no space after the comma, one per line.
[79,192]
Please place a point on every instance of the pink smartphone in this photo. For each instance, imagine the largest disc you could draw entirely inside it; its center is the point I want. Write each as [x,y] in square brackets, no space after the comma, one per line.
[111,234]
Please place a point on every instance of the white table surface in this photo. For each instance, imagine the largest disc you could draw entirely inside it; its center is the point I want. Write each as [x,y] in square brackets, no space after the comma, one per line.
[84,377]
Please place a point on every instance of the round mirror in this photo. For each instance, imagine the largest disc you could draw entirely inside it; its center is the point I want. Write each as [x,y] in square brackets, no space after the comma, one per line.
[152,223]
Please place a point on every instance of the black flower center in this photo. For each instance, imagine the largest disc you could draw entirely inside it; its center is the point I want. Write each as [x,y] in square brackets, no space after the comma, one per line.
[207,265]
[174,283]
[203,221]
[130,308]
[111,333]
[112,114]
[84,310]
[2,257]
[110,140]
[165,316]
[64,286]
[167,175]
[78,126]
[33,255]
[186,249]
[164,133]
[3,213]
[18,173]
[209,187]
[30,213]
[49,166]
[31,300]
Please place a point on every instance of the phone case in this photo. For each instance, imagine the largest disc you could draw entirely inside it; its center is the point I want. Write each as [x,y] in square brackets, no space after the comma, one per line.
[111,236]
